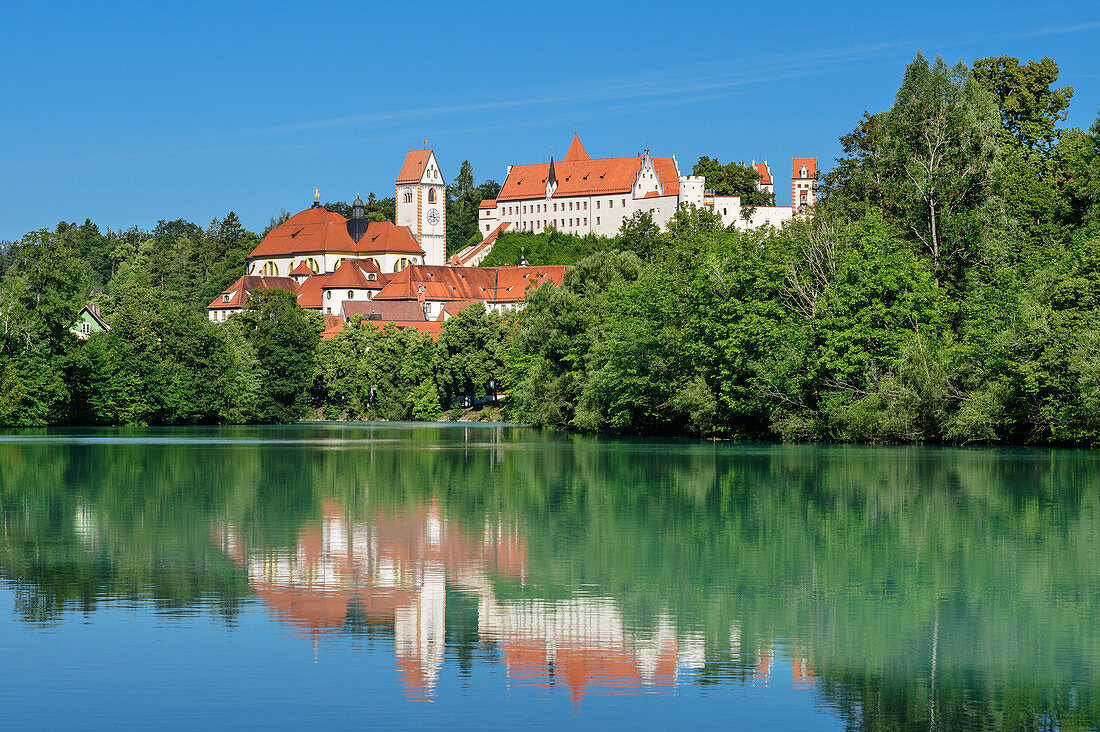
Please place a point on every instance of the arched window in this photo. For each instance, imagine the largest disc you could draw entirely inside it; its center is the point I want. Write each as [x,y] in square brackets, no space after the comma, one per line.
[270,270]
[802,172]
[431,195]
[402,263]
[339,261]
[408,195]
[375,262]
[312,264]
[351,294]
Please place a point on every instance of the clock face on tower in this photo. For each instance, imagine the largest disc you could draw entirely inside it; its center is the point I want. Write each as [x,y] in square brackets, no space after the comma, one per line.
[433,216]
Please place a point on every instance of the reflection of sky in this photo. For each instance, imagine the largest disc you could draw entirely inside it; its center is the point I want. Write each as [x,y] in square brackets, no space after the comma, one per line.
[128,664]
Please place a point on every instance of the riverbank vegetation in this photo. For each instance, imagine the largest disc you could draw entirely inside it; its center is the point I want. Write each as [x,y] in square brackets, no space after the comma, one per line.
[945,289]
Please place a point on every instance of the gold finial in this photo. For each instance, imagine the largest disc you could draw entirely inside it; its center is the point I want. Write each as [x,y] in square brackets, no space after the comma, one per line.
[425,143]
[316,194]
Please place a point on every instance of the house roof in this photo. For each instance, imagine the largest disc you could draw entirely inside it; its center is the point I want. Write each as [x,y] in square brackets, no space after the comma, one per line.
[467,254]
[302,269]
[93,311]
[488,203]
[765,175]
[310,292]
[319,230]
[490,284]
[352,273]
[576,151]
[811,167]
[239,290]
[386,310]
[412,170]
[451,309]
[582,176]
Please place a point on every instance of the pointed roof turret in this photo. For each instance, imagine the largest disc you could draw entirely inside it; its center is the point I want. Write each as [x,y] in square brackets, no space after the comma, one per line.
[576,151]
[552,178]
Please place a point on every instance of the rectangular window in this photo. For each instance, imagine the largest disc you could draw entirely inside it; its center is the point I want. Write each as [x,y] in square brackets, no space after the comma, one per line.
[586,205]
[597,204]
[570,205]
[624,203]
[586,221]
[611,203]
[570,222]
[597,221]
[555,207]
[524,209]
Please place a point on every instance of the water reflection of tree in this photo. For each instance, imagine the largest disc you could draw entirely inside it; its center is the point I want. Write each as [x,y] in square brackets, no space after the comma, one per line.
[865,558]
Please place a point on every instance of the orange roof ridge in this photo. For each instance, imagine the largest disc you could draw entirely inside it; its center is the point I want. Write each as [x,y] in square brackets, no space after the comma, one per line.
[576,151]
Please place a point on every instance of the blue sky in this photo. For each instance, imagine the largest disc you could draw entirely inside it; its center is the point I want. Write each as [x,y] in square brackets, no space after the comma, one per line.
[130,113]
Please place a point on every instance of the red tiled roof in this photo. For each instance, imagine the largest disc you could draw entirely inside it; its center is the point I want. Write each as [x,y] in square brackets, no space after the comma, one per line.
[652,194]
[310,291]
[239,290]
[412,170]
[583,177]
[452,308]
[320,230]
[811,167]
[765,176]
[302,269]
[488,203]
[461,258]
[397,310]
[576,151]
[490,284]
[352,273]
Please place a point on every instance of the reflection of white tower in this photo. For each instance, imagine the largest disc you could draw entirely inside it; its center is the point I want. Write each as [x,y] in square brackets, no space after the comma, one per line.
[419,628]
[422,203]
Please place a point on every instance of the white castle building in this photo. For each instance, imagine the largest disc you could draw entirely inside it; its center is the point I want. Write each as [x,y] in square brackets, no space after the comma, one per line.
[584,195]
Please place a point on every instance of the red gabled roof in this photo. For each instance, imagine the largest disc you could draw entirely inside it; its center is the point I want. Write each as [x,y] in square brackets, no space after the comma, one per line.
[765,176]
[488,203]
[585,176]
[302,269]
[352,273]
[652,194]
[320,230]
[239,290]
[489,284]
[576,151]
[412,170]
[811,167]
[310,292]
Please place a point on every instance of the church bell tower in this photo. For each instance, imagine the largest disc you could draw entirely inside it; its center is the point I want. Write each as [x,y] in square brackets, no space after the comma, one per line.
[422,203]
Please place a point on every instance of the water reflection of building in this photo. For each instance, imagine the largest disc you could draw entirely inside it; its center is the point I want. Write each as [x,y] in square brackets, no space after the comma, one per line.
[396,567]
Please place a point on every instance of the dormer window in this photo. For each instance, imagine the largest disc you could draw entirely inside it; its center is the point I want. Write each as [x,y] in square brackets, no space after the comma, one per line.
[225,297]
[802,173]
[371,276]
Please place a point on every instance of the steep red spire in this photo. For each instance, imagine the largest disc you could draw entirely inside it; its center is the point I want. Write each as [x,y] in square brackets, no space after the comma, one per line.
[576,151]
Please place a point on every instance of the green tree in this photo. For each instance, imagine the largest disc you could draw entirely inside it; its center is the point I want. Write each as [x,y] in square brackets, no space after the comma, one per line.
[284,338]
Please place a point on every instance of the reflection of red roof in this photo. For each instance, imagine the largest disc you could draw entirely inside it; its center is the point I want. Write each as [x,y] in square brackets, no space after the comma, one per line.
[811,167]
[319,230]
[238,291]
[412,170]
[492,284]
[583,176]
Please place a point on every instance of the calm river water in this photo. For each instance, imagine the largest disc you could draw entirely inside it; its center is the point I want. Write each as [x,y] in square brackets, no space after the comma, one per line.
[497,576]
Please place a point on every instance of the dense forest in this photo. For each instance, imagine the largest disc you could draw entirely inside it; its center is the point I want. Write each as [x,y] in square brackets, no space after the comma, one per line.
[944,289]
